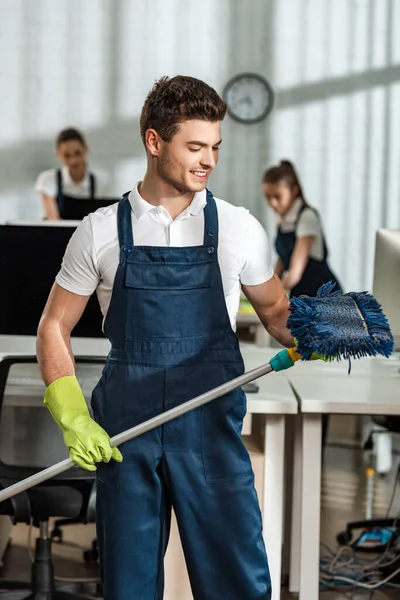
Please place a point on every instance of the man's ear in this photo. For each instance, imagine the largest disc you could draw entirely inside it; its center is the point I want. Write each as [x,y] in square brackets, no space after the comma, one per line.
[153,142]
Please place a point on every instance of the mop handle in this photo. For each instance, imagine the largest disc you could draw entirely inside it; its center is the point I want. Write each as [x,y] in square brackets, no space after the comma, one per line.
[129,434]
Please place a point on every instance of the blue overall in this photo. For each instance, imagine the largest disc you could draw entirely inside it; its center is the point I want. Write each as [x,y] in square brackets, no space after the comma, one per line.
[67,205]
[316,272]
[171,340]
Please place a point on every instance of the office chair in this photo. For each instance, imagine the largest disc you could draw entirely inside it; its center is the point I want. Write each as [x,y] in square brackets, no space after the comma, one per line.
[69,495]
[348,537]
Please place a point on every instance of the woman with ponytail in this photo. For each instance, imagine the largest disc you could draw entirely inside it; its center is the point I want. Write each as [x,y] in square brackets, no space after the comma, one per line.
[300,244]
[302,252]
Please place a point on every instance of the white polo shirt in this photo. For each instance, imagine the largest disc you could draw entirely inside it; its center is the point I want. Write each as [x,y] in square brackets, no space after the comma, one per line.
[308,224]
[46,183]
[92,255]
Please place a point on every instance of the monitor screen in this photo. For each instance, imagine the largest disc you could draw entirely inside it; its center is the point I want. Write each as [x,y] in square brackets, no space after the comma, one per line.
[386,286]
[30,258]
[76,209]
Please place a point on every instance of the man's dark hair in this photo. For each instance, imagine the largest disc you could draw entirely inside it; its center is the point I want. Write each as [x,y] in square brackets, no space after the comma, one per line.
[173,101]
[66,135]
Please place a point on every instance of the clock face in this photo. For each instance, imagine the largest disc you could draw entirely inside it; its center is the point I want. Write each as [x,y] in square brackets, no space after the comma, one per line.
[249,98]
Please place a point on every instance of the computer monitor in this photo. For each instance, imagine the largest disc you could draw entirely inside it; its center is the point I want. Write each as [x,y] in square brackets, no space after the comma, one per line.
[386,285]
[77,208]
[30,258]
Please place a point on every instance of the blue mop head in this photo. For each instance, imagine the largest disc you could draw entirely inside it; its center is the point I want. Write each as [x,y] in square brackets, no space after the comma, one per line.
[336,325]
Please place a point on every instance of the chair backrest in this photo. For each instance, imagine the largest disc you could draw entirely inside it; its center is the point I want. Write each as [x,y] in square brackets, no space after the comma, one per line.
[30,441]
[389,422]
[29,437]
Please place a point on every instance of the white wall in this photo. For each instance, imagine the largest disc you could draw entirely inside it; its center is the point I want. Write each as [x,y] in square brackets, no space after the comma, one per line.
[335,67]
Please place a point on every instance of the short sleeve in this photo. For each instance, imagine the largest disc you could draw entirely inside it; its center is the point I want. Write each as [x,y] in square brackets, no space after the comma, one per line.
[46,183]
[308,224]
[257,265]
[79,273]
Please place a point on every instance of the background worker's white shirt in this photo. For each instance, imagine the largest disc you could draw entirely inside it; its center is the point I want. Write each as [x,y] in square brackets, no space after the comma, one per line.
[308,224]
[92,256]
[46,183]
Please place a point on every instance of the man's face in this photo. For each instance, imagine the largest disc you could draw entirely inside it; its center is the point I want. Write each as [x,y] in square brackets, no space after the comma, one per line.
[187,160]
[73,155]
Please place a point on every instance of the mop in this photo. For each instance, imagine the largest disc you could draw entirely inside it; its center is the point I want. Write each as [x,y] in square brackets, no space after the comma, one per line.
[331,326]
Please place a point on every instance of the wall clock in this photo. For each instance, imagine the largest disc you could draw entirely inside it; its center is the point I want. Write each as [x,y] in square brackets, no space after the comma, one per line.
[249,98]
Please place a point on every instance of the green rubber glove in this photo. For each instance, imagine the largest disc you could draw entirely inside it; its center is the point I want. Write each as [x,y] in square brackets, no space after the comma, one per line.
[86,441]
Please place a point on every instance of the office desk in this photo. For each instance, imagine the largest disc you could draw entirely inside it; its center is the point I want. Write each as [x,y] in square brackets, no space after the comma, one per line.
[375,390]
[274,400]
[364,367]
[261,336]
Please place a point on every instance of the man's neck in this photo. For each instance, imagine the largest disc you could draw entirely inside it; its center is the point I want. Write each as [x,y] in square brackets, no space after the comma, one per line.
[161,194]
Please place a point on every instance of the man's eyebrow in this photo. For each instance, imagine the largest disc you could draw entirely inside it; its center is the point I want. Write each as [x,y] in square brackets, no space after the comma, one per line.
[202,144]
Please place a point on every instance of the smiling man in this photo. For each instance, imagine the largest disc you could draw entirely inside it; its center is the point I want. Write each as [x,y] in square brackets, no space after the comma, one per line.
[168,263]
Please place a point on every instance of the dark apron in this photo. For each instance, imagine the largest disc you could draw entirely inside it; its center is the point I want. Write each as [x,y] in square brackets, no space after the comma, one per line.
[72,207]
[316,272]
[172,340]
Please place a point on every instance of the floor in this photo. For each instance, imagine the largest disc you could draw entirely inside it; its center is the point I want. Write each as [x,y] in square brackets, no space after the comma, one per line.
[342,500]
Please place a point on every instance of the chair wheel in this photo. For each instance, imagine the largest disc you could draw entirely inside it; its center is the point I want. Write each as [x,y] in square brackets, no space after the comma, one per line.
[343,538]
[57,535]
[91,557]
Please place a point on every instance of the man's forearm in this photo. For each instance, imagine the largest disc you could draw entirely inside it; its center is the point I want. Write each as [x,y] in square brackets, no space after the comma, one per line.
[274,321]
[281,334]
[53,348]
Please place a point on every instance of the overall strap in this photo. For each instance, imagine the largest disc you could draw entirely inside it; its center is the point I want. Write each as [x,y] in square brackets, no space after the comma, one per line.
[305,205]
[59,194]
[302,208]
[124,219]
[92,186]
[211,222]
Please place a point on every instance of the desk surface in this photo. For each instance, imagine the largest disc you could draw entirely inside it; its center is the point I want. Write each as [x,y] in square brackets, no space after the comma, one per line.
[250,318]
[374,395]
[364,367]
[373,387]
[275,396]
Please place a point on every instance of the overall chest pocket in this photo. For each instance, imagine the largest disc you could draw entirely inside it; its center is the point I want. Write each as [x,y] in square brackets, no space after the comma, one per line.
[168,276]
[168,300]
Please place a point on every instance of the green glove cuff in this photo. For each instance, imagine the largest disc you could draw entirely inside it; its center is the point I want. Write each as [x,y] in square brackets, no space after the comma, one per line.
[65,401]
[315,355]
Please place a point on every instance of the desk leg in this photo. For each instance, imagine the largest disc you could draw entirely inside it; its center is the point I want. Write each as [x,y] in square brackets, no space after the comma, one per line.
[273,497]
[5,534]
[288,491]
[310,507]
[294,573]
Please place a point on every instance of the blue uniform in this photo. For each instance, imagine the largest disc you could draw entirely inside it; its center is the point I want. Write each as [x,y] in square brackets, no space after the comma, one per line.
[316,272]
[70,207]
[171,340]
